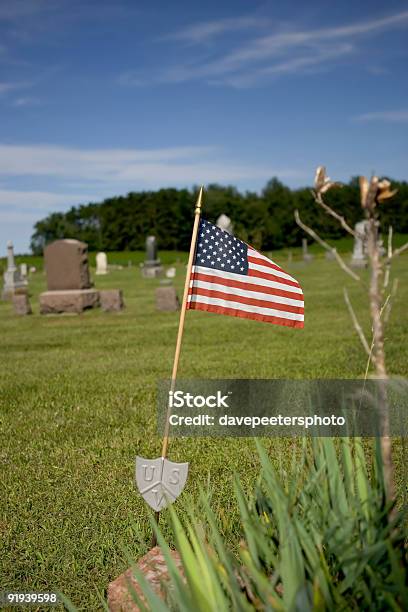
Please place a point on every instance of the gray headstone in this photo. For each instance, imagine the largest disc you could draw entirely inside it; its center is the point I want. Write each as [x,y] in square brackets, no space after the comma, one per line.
[307,257]
[21,304]
[111,300]
[166,299]
[151,249]
[13,282]
[152,266]
[66,265]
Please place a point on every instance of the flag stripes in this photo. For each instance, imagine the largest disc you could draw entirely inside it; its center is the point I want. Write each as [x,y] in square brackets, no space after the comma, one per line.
[229,277]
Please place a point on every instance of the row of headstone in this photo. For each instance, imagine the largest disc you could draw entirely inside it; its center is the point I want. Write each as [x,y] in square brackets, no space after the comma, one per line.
[359,256]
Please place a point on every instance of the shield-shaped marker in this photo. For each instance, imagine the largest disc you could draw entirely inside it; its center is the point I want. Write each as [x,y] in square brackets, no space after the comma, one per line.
[160,481]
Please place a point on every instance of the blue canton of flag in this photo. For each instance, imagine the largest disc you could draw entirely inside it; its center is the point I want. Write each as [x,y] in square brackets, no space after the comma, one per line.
[219,250]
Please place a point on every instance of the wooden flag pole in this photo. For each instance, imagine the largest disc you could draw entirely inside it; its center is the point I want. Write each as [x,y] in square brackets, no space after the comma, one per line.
[197,213]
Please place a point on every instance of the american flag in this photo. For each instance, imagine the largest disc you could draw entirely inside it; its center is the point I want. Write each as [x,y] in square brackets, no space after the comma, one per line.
[229,277]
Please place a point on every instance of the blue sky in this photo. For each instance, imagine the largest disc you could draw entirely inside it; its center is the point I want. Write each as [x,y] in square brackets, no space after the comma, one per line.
[99,98]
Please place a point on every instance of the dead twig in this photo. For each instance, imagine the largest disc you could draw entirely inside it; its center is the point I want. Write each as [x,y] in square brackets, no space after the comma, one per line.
[388,261]
[318,198]
[358,327]
[401,249]
[390,302]
[326,246]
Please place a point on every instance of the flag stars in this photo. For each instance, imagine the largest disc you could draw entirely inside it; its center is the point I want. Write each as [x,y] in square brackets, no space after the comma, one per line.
[219,250]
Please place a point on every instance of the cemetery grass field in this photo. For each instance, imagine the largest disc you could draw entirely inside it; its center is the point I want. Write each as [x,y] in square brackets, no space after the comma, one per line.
[77,405]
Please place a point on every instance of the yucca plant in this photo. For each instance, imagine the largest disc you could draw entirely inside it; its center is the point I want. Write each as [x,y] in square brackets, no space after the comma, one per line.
[317,539]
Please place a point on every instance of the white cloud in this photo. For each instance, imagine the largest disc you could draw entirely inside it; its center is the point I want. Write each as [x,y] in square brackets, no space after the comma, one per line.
[272,55]
[393,116]
[81,176]
[26,101]
[293,65]
[38,200]
[120,168]
[6,87]
[202,32]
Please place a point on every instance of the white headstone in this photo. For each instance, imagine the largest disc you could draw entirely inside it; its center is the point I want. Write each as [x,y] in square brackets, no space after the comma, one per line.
[171,273]
[224,223]
[359,259]
[23,270]
[101,263]
[12,278]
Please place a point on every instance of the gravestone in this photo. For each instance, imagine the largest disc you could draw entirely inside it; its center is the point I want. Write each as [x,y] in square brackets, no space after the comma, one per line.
[21,304]
[166,299]
[330,256]
[101,263]
[151,268]
[66,265]
[68,281]
[23,270]
[171,273]
[307,257]
[13,282]
[359,257]
[111,300]
[224,223]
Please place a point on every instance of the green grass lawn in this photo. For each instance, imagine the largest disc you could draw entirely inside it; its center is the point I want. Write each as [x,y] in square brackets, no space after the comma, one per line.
[77,405]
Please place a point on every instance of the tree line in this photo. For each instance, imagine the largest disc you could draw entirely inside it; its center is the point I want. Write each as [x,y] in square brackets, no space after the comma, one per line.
[264,219]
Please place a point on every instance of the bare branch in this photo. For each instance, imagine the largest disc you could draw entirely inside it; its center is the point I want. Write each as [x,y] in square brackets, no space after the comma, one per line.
[358,327]
[389,245]
[397,252]
[326,246]
[318,198]
[390,301]
[388,261]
